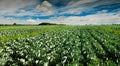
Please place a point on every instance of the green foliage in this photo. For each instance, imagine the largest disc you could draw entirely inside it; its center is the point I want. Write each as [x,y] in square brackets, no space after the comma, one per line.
[14,23]
[60,46]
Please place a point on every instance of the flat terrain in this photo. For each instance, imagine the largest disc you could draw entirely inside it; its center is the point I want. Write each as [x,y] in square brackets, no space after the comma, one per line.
[60,45]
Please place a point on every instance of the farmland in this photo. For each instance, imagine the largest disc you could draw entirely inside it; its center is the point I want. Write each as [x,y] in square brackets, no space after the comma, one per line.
[57,45]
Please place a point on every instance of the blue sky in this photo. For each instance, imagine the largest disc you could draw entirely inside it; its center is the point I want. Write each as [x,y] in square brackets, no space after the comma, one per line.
[60,11]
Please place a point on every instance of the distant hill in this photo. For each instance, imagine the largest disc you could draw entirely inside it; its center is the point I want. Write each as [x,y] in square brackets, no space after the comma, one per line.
[45,23]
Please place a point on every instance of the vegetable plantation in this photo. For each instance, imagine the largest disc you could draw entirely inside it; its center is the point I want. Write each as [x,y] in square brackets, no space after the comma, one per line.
[57,45]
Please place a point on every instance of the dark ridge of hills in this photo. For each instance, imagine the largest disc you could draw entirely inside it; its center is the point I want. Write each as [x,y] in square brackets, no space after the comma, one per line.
[45,23]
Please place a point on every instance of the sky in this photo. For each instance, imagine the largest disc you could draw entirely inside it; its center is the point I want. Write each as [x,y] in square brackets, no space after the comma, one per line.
[74,12]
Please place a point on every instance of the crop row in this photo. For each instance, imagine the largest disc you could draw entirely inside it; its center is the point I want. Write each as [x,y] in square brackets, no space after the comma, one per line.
[24,31]
[69,47]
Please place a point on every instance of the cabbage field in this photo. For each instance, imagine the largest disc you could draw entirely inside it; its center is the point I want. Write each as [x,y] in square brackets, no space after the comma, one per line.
[60,45]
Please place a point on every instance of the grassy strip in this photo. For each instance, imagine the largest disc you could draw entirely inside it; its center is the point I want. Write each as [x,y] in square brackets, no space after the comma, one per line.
[12,37]
[108,29]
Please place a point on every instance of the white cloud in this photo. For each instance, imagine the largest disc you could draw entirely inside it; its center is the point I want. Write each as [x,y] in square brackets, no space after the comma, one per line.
[43,9]
[38,7]
[10,6]
[99,18]
[46,7]
[6,21]
[76,7]
[32,21]
[22,11]
[103,11]
[74,4]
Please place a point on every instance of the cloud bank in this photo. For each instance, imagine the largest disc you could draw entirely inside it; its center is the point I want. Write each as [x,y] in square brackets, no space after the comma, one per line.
[60,11]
